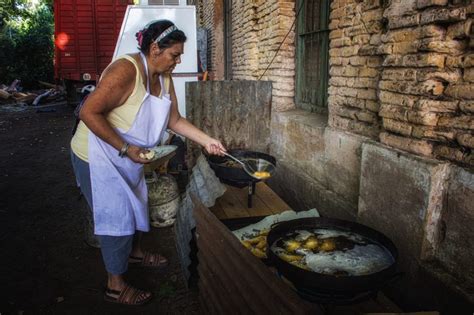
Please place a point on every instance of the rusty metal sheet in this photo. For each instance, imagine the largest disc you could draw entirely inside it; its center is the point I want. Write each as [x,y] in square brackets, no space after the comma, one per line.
[235,112]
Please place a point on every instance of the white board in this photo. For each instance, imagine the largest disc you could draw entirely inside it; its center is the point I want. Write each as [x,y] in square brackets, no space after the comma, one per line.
[184,17]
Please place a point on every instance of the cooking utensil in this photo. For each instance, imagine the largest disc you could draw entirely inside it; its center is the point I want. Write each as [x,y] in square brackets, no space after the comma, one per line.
[257,168]
[324,282]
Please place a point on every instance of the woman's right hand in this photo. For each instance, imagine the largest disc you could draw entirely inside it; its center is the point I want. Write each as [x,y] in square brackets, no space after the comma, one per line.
[133,154]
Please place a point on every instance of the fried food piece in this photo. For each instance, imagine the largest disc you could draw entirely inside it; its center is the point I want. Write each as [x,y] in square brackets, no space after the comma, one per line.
[262,174]
[256,240]
[257,252]
[311,243]
[328,245]
[246,244]
[262,244]
[264,232]
[149,155]
[292,245]
[289,258]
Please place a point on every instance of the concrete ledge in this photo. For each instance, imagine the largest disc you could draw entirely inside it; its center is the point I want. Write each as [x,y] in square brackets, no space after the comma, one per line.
[321,161]
[399,192]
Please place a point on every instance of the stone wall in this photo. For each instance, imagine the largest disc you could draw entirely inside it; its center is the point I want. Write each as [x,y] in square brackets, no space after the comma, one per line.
[258,29]
[403,74]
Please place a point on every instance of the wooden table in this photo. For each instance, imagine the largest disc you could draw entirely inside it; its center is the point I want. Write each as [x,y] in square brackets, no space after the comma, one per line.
[233,204]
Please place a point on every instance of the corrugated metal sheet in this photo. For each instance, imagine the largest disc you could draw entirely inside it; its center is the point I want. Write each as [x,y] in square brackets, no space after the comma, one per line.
[89,29]
[232,280]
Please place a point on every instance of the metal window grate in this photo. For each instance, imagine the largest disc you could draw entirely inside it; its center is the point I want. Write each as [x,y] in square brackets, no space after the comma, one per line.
[312,55]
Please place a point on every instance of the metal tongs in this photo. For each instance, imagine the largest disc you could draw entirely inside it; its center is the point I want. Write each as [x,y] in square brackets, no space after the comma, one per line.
[257,168]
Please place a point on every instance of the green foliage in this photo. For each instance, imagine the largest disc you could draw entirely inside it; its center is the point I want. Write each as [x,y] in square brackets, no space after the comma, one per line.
[26,42]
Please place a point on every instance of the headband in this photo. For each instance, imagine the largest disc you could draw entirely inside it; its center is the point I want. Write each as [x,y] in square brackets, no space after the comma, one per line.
[165,33]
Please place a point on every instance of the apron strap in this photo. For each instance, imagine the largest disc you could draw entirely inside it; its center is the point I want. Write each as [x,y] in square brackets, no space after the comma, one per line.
[147,77]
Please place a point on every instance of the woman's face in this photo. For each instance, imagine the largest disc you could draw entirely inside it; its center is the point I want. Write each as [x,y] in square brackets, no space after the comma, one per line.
[167,59]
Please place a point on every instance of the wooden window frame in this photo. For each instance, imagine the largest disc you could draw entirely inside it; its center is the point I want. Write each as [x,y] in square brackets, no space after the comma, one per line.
[321,91]
[228,39]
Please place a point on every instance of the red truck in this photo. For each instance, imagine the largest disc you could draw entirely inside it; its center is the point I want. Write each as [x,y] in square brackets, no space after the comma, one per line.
[85,35]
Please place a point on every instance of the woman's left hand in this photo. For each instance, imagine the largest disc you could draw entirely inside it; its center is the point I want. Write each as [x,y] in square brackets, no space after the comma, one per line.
[214,147]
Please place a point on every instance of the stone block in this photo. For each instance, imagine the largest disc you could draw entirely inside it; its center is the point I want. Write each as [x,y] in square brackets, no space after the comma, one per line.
[399,193]
[454,153]
[399,74]
[420,4]
[462,91]
[467,106]
[404,21]
[436,106]
[447,75]
[460,122]
[400,7]
[393,112]
[398,127]
[469,74]
[459,30]
[421,147]
[423,118]
[466,140]
[432,133]
[456,248]
[443,15]
[427,88]
[317,166]
[452,47]
[398,99]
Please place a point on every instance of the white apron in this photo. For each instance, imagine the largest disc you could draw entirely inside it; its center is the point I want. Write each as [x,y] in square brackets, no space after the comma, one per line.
[119,192]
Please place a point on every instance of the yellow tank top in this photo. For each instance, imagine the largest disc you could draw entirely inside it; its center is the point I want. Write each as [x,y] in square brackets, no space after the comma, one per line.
[120,117]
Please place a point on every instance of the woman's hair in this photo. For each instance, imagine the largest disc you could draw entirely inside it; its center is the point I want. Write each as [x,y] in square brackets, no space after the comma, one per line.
[162,30]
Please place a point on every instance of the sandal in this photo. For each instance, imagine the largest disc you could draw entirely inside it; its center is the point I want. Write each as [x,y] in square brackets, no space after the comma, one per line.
[150,260]
[127,296]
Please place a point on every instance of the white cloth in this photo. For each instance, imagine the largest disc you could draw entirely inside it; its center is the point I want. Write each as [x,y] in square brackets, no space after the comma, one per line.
[119,192]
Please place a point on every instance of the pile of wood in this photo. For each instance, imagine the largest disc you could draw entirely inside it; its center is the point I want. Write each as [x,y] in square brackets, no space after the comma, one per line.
[13,93]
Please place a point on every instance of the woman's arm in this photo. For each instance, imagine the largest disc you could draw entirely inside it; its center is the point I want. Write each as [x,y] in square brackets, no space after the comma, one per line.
[114,88]
[183,127]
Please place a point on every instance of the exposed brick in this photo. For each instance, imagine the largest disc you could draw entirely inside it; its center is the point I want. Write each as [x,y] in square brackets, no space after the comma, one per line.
[467,106]
[460,122]
[463,91]
[431,133]
[423,118]
[454,154]
[422,147]
[420,4]
[437,106]
[443,15]
[393,112]
[469,74]
[466,139]
[396,126]
[397,99]
[459,30]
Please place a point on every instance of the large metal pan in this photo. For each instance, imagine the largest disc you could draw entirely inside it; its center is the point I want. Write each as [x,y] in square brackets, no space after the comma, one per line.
[331,283]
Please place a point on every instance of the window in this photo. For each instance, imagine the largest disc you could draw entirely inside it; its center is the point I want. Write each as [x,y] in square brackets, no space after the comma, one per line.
[228,39]
[312,55]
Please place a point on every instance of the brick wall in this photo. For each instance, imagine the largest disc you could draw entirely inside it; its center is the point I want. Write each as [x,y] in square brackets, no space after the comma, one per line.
[402,73]
[258,28]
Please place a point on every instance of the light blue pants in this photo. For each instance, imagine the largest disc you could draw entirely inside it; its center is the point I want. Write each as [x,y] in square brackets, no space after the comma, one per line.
[115,249]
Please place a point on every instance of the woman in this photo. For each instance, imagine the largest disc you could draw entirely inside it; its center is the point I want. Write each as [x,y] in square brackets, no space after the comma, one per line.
[132,106]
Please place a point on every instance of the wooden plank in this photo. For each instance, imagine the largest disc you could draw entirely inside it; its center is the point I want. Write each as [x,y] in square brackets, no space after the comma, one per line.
[232,207]
[278,297]
[271,199]
[218,211]
[259,208]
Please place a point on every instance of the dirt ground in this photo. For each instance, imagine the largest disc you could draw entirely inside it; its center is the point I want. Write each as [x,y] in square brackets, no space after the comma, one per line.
[46,268]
